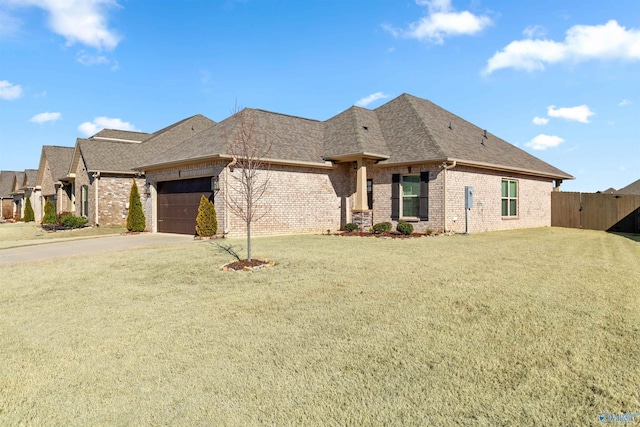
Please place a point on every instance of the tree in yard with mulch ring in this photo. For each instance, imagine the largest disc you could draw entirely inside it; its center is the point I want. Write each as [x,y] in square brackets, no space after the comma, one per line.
[50,216]
[135,218]
[29,216]
[206,221]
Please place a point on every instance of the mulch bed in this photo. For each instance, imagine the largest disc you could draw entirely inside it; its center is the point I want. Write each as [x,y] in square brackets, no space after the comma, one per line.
[56,227]
[391,235]
[246,265]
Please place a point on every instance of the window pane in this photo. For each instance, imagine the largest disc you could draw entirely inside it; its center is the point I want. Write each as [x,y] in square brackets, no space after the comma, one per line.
[513,207]
[411,185]
[410,206]
[513,189]
[505,188]
[505,207]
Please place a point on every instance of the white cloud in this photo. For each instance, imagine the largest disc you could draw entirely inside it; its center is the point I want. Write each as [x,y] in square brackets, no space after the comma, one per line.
[99,123]
[534,31]
[441,22]
[371,98]
[624,102]
[88,60]
[542,142]
[582,43]
[9,91]
[581,113]
[541,121]
[78,21]
[45,117]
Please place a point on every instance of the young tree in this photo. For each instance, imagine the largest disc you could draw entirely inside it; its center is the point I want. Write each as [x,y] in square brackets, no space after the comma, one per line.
[135,218]
[206,221]
[29,215]
[250,147]
[50,216]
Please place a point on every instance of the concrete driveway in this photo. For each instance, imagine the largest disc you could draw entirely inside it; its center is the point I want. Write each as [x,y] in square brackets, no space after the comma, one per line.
[84,246]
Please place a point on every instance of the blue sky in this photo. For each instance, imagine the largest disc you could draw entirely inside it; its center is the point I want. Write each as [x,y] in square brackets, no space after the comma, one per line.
[560,79]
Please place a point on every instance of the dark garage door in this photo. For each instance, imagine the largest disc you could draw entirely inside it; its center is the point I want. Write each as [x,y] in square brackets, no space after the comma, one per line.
[178,203]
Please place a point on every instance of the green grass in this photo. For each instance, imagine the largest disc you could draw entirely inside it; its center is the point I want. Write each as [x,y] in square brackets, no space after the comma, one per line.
[533,327]
[23,234]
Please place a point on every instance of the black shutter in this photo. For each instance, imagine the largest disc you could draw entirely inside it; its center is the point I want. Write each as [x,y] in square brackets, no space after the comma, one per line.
[395,196]
[424,196]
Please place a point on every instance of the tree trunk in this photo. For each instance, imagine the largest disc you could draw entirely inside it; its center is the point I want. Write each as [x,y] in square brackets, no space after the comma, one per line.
[249,240]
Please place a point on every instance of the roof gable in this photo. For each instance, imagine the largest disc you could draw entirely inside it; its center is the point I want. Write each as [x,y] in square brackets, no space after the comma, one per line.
[633,188]
[57,159]
[7,180]
[120,135]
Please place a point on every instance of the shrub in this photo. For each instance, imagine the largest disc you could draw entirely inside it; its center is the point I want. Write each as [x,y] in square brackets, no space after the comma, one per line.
[50,216]
[351,227]
[206,221]
[135,217]
[29,216]
[405,228]
[63,214]
[382,227]
[69,220]
[430,231]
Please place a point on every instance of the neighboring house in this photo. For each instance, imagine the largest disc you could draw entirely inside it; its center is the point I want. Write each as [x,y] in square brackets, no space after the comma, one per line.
[7,181]
[101,170]
[609,190]
[633,188]
[407,160]
[28,188]
[52,182]
[18,195]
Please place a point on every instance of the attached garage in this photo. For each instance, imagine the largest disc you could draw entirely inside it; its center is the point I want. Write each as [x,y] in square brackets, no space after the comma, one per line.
[178,203]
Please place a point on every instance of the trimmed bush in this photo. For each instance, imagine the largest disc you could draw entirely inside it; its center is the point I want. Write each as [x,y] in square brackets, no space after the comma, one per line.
[405,228]
[50,216]
[382,227]
[29,215]
[206,221]
[351,227]
[135,218]
[71,221]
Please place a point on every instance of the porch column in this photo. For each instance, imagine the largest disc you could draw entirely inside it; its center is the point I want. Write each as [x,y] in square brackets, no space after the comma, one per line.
[361,214]
[361,187]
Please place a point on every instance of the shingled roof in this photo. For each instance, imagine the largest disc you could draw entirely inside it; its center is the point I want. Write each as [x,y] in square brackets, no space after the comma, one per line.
[58,158]
[110,154]
[633,188]
[291,138]
[405,130]
[121,135]
[29,179]
[7,178]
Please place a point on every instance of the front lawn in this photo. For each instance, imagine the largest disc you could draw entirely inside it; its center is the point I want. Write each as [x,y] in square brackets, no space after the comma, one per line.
[533,327]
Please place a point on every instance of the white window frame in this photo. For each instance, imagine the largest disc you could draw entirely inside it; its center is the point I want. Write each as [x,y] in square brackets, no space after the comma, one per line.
[509,198]
[402,197]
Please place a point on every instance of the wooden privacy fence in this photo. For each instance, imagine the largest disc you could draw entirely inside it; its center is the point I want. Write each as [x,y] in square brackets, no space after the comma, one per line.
[596,211]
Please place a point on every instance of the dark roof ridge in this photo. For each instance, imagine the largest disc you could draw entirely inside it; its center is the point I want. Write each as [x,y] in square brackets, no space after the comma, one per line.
[280,114]
[407,98]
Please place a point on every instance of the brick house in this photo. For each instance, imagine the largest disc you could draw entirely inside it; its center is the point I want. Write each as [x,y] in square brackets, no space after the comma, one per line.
[23,185]
[407,160]
[7,181]
[52,182]
[101,170]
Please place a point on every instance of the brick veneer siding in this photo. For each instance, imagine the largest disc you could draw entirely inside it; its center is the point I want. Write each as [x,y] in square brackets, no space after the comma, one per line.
[113,196]
[382,194]
[300,200]
[534,200]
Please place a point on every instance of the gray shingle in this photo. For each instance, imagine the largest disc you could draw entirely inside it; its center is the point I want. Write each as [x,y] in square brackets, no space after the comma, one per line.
[6,183]
[633,188]
[121,135]
[59,159]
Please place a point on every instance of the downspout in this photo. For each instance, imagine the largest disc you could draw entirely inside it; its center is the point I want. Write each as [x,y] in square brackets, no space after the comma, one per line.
[445,168]
[97,178]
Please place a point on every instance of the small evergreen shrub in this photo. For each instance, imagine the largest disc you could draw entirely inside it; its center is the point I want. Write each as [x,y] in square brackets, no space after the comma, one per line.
[405,228]
[63,214]
[351,227]
[29,215]
[382,227]
[135,218]
[72,221]
[50,216]
[206,221]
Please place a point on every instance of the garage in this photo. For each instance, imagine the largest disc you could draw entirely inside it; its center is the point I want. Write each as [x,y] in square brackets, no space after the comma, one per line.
[178,203]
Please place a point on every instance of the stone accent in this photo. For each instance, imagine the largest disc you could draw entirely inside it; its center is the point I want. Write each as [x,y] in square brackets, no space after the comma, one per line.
[364,219]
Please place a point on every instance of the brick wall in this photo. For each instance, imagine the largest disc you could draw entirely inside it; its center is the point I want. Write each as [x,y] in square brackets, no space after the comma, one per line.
[382,194]
[113,196]
[534,201]
[299,200]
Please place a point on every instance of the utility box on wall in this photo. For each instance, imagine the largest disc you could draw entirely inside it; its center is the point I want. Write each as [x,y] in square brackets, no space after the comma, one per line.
[468,197]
